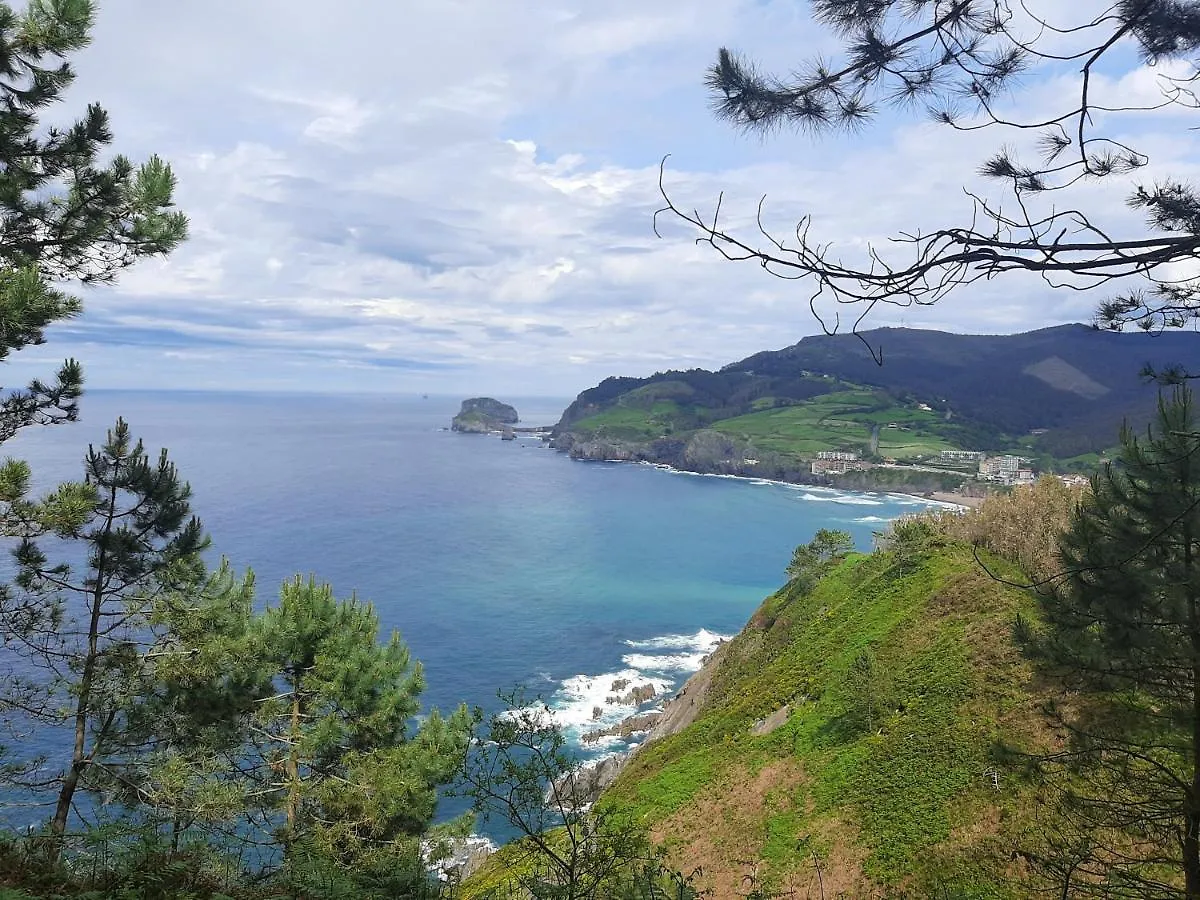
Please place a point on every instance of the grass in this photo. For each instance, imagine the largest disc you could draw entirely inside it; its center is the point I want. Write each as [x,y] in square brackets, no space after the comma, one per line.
[901,762]
[842,420]
[634,423]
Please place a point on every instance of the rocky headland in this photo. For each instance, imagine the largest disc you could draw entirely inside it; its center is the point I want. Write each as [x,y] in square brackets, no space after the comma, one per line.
[479,415]
[709,452]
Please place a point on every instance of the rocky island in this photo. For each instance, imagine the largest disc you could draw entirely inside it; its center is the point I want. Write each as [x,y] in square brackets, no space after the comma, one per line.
[479,415]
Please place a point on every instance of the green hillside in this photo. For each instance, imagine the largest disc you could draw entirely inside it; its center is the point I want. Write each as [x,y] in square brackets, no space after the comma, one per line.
[843,417]
[879,773]
[844,420]
[1058,392]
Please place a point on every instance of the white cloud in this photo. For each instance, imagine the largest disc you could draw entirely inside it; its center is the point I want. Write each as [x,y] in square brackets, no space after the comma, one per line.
[460,192]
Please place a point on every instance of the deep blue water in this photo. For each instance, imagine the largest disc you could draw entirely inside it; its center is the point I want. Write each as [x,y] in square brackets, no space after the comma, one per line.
[500,563]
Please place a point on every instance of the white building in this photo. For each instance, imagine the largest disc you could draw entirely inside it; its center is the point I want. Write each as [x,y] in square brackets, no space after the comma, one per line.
[962,455]
[838,455]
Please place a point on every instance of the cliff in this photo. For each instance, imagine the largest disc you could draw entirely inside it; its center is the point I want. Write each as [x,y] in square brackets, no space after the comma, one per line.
[851,730]
[480,415]
[870,734]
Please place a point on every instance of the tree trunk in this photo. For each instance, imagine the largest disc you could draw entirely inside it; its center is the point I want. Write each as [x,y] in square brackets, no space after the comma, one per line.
[1191,839]
[293,762]
[79,757]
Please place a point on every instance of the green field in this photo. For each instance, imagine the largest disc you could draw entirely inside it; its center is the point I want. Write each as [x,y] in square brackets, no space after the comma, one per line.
[640,423]
[841,421]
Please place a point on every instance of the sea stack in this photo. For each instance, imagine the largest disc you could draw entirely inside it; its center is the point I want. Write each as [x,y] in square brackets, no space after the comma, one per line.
[479,415]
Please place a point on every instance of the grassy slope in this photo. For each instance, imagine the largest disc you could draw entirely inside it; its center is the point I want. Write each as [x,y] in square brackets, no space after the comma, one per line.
[904,806]
[840,420]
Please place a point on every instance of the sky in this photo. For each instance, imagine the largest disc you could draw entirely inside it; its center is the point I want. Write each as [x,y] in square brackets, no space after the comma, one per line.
[456,196]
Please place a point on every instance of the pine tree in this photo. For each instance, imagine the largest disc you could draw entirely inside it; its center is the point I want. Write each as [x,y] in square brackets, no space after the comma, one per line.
[65,215]
[74,632]
[812,560]
[572,844]
[341,768]
[1124,626]
[187,723]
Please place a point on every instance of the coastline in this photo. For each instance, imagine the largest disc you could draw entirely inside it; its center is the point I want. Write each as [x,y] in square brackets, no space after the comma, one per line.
[944,499]
[937,498]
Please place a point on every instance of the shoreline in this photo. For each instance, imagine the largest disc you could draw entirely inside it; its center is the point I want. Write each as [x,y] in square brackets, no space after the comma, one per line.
[944,499]
[938,498]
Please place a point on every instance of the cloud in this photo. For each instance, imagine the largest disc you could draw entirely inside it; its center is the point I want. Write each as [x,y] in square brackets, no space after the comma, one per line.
[456,192]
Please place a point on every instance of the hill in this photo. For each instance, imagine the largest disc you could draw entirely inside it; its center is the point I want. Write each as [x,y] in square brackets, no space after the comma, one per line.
[1054,393]
[855,739]
[877,773]
[1072,380]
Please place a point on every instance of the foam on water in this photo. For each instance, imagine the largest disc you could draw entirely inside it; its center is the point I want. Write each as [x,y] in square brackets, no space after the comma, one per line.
[579,696]
[848,499]
[703,640]
[575,704]
[683,662]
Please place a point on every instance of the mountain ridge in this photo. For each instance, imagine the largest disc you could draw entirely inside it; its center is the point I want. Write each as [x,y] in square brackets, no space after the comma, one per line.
[1070,384]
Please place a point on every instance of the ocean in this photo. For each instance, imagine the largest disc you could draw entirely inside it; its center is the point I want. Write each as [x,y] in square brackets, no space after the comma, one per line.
[501,564]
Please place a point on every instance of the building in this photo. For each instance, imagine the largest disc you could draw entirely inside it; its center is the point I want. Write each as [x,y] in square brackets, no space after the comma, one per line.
[841,455]
[1008,469]
[962,456]
[1074,480]
[836,466]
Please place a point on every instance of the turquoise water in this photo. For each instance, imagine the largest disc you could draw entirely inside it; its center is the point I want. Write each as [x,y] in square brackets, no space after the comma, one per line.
[501,563]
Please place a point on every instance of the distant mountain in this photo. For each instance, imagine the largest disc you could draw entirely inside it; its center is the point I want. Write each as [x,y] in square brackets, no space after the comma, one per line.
[1071,385]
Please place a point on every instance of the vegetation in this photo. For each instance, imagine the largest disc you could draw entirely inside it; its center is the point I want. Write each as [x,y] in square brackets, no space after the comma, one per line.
[568,847]
[956,60]
[79,628]
[892,684]
[891,723]
[1122,623]
[845,420]
[894,687]
[332,745]
[811,561]
[1051,394]
[67,217]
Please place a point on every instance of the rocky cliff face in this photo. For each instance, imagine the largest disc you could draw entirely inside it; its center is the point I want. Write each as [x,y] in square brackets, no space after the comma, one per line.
[586,784]
[480,415]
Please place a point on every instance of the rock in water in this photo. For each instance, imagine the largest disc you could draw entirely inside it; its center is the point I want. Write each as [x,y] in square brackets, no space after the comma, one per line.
[480,415]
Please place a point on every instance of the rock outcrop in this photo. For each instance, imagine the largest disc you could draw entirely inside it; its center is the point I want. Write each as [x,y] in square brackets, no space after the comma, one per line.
[635,697]
[585,784]
[480,415]
[626,728]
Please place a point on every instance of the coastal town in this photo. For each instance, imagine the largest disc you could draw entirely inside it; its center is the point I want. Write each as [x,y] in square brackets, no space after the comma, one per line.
[1001,470]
